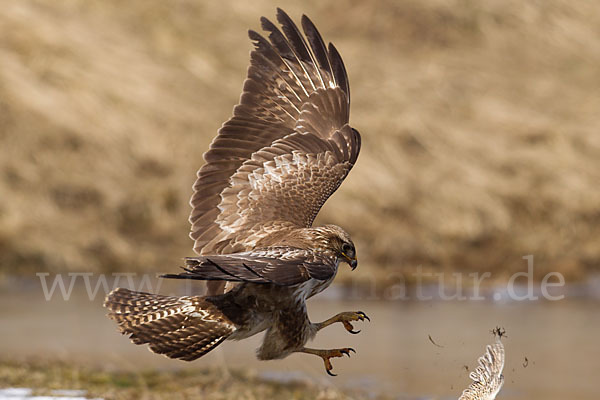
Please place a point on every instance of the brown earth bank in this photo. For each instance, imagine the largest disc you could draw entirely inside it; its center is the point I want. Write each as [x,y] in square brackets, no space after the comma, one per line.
[479,122]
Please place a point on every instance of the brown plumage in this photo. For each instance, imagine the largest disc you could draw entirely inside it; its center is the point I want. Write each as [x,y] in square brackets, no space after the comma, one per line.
[271,167]
[179,327]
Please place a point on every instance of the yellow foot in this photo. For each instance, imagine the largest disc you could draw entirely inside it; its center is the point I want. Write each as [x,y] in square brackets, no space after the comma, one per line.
[346,317]
[327,354]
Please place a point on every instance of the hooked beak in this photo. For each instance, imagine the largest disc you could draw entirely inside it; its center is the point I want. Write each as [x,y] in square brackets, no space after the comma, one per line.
[353,262]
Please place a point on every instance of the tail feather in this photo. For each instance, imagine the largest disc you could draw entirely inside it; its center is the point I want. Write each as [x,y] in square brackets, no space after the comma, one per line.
[185,327]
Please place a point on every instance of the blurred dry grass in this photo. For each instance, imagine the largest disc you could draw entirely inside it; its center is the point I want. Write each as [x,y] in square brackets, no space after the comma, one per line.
[107,383]
[479,120]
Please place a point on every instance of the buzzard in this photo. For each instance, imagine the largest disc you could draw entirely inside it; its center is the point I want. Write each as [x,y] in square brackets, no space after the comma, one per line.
[487,377]
[286,149]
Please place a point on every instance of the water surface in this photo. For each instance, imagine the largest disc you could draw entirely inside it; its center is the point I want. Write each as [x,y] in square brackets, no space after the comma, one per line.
[552,350]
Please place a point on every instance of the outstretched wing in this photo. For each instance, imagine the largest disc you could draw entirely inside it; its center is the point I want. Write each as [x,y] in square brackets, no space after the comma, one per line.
[487,377]
[276,265]
[287,147]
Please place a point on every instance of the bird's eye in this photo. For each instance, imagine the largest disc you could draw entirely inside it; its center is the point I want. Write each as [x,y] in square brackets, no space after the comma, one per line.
[348,249]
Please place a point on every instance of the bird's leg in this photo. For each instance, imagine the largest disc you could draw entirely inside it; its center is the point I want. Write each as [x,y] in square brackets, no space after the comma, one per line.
[345,318]
[327,354]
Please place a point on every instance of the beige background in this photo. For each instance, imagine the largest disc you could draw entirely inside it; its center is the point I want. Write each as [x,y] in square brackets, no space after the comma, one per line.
[479,120]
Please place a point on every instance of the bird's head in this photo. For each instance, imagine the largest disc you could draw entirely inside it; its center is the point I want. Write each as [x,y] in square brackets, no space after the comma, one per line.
[339,243]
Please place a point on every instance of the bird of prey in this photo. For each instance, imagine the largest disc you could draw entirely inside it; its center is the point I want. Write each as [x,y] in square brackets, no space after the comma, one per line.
[267,173]
[487,377]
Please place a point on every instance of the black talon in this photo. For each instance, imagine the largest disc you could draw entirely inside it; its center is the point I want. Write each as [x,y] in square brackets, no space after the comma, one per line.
[362,314]
[354,332]
[330,373]
[351,349]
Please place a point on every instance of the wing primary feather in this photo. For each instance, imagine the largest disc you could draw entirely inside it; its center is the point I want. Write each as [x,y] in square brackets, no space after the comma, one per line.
[356,144]
[260,40]
[317,45]
[283,109]
[224,270]
[184,276]
[297,41]
[339,71]
[257,274]
[263,58]
[291,103]
[281,43]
